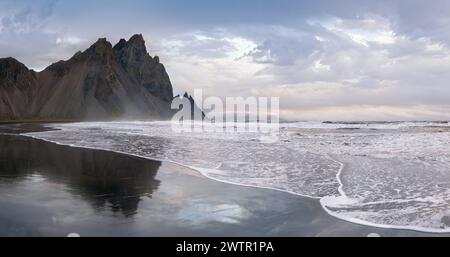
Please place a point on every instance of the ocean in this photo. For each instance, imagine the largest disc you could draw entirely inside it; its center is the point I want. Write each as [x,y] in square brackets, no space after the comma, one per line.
[382,174]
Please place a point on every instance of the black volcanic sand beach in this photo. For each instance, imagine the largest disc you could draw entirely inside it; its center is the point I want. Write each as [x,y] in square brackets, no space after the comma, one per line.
[52,190]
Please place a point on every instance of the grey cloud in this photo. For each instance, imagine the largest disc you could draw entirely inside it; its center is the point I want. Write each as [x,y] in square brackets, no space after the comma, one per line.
[212,46]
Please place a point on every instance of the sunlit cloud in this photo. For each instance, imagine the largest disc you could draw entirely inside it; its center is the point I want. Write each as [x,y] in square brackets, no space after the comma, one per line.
[68,40]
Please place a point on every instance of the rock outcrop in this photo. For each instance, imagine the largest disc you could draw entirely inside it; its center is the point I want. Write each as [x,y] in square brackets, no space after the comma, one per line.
[103,82]
[194,111]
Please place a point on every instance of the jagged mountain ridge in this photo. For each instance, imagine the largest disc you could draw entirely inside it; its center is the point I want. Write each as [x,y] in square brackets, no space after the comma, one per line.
[102,82]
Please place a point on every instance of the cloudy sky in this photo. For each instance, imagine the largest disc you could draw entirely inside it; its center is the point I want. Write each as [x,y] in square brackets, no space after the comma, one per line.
[326,60]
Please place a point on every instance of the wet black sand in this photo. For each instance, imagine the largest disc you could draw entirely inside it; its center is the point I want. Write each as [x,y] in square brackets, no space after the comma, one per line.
[52,190]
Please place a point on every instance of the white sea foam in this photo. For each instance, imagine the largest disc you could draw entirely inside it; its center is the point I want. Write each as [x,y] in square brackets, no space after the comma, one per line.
[394,175]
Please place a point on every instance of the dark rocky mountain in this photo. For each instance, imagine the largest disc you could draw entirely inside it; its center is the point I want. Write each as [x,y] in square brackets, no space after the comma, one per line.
[193,111]
[103,82]
[18,84]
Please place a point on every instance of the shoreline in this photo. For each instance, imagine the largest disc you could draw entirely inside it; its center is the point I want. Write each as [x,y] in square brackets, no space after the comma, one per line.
[17,122]
[324,224]
[318,199]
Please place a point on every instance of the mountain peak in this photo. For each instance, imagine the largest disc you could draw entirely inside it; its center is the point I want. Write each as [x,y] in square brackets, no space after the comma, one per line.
[10,61]
[137,39]
[10,68]
[134,47]
[100,51]
[102,43]
[121,44]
